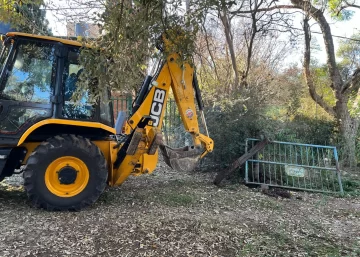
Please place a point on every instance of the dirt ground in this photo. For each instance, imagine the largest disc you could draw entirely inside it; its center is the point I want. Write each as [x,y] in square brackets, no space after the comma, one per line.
[171,214]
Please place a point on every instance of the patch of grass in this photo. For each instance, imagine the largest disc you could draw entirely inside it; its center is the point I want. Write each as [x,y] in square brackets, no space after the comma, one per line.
[356,249]
[178,182]
[354,213]
[323,201]
[322,244]
[267,243]
[270,204]
[328,251]
[280,237]
[279,243]
[176,200]
[351,187]
[232,187]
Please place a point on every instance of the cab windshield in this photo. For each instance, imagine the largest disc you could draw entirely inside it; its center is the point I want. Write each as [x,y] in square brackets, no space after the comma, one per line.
[29,75]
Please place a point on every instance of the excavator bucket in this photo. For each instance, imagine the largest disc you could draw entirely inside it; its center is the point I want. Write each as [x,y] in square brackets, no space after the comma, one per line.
[182,159]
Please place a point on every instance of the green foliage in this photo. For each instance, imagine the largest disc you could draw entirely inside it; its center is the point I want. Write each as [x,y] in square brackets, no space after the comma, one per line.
[303,129]
[176,200]
[322,80]
[25,16]
[351,187]
[8,14]
[230,123]
[349,52]
[119,59]
[337,11]
[33,18]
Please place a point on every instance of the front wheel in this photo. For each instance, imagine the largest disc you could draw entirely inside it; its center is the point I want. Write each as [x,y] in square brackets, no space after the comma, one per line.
[65,172]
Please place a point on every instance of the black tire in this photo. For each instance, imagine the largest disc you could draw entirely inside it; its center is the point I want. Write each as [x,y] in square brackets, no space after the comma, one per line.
[49,151]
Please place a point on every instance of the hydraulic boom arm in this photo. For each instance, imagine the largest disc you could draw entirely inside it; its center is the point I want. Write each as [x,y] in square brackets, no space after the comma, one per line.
[183,82]
[143,128]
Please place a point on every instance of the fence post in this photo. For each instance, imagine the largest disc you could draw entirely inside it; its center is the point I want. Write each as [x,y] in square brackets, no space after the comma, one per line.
[338,171]
[129,104]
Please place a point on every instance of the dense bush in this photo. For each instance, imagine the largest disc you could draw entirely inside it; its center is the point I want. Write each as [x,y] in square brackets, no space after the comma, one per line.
[230,124]
[309,131]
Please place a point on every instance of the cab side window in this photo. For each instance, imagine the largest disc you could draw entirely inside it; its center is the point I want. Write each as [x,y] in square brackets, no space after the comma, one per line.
[78,109]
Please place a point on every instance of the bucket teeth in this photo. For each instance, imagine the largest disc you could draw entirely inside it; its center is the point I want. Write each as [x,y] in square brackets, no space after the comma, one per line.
[183,159]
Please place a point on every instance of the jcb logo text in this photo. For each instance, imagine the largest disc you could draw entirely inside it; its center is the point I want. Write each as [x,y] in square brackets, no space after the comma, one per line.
[157,105]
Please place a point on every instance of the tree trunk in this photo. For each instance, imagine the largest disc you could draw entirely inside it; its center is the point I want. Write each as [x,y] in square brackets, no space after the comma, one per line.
[348,130]
[229,39]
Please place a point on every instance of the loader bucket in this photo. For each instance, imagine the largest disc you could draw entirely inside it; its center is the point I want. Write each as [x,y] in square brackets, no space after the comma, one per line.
[182,159]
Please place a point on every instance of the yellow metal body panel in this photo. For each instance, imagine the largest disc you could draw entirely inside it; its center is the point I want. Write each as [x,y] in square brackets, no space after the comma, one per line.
[110,154]
[65,122]
[182,79]
[30,147]
[127,166]
[52,181]
[61,40]
[148,164]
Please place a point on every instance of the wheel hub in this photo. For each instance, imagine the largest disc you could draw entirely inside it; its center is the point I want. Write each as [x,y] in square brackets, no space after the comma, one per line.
[67,176]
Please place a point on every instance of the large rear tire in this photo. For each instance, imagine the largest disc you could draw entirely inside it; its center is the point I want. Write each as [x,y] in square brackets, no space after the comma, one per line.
[65,172]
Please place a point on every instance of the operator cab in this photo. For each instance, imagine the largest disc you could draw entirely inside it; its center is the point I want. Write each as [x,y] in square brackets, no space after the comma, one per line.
[38,77]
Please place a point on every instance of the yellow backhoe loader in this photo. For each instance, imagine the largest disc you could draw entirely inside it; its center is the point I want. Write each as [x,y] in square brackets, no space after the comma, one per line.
[68,152]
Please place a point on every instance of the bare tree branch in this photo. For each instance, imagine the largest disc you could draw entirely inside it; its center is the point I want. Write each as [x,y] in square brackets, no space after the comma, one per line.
[210,52]
[351,5]
[250,42]
[275,7]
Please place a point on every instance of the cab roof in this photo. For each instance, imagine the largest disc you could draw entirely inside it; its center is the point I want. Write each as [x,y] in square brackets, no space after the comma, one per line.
[56,39]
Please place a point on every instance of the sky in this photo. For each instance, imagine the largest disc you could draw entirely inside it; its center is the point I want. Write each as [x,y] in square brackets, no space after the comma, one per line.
[58,27]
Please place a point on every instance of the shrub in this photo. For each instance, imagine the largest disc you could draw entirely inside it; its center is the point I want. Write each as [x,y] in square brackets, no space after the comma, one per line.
[229,126]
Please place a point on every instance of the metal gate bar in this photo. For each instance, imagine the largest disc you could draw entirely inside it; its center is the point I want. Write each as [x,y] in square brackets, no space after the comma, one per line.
[294,166]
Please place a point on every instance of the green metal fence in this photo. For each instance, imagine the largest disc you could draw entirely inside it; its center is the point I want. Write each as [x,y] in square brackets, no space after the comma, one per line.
[295,166]
[122,103]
